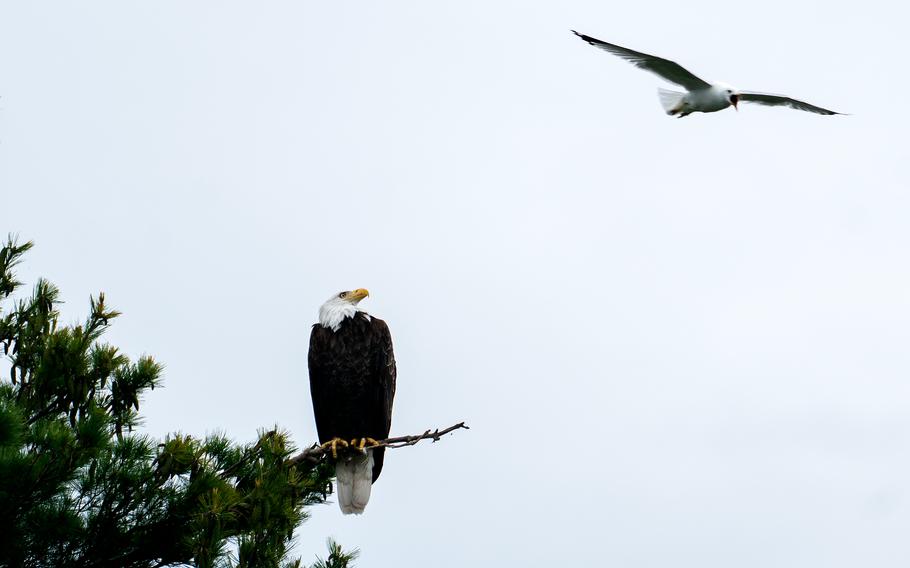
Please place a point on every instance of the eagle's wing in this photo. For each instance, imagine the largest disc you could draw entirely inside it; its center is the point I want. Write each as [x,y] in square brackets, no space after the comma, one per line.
[385,373]
[388,372]
[669,70]
[320,382]
[780,100]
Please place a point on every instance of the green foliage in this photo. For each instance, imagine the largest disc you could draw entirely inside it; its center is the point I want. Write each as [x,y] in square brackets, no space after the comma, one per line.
[78,487]
[337,557]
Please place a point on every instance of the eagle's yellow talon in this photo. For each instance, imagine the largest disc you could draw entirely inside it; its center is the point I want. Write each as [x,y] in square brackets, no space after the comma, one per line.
[361,443]
[334,443]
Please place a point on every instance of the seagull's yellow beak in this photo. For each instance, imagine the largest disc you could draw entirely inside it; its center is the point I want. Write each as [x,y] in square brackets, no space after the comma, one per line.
[358,294]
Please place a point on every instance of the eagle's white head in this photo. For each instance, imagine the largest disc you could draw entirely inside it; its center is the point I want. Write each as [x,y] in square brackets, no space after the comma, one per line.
[340,306]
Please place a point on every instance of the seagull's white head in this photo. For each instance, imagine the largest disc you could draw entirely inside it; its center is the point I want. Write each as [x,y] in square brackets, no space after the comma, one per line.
[341,306]
[730,93]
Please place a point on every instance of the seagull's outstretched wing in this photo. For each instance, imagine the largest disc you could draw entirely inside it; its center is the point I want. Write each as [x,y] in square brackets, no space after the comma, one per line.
[780,100]
[669,70]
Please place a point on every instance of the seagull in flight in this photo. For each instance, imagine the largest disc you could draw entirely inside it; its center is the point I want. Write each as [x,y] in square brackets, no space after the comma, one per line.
[700,95]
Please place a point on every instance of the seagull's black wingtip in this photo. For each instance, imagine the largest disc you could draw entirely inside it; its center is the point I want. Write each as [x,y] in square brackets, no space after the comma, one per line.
[588,39]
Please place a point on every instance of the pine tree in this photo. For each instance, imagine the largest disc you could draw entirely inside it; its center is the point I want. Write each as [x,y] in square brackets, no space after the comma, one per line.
[80,486]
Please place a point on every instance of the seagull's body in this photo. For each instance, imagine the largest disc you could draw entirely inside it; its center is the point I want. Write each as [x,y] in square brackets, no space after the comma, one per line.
[708,99]
[700,95]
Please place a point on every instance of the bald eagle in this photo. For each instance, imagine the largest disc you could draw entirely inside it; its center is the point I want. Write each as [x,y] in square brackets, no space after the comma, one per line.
[352,383]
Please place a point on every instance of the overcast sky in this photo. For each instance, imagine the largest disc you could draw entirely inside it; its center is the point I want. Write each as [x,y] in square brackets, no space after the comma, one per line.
[678,343]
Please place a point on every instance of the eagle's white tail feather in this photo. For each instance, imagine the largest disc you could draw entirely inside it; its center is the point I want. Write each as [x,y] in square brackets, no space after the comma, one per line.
[344,485]
[354,479]
[670,100]
[363,482]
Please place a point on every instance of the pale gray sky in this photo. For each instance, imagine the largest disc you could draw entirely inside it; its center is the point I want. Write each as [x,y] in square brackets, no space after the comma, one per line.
[678,342]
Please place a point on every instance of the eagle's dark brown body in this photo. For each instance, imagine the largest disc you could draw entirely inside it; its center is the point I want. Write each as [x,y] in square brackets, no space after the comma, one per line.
[352,381]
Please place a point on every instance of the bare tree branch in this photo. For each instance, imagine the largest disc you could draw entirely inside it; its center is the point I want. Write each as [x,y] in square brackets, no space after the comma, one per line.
[314,454]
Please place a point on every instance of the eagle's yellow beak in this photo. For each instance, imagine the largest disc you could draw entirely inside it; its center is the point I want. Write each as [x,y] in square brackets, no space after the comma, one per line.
[358,294]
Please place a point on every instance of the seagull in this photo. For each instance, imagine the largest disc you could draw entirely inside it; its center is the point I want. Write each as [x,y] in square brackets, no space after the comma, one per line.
[700,95]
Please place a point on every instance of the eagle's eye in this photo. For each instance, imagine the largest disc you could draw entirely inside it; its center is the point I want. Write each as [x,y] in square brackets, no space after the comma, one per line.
[342,295]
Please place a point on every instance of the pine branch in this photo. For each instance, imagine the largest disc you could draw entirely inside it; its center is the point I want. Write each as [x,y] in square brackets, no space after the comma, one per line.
[316,453]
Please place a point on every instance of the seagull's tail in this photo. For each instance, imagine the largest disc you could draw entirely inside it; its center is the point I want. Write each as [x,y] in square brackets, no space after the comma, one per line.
[670,100]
